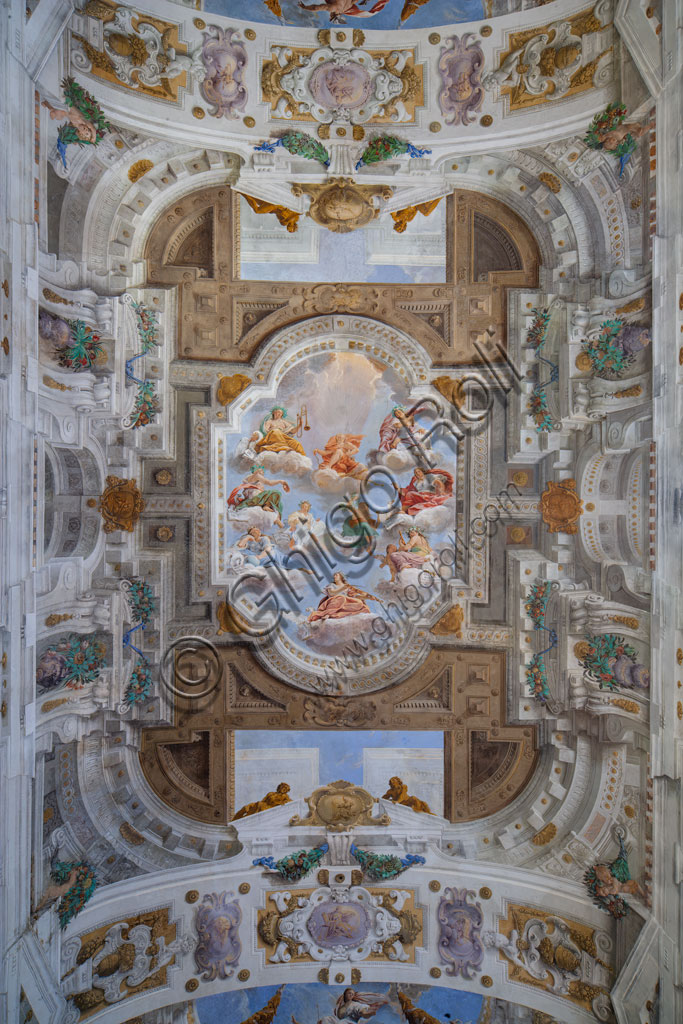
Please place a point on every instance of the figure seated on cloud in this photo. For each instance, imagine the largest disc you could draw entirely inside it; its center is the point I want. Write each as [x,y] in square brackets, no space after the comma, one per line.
[400,441]
[426,503]
[274,446]
[338,470]
[255,502]
[341,616]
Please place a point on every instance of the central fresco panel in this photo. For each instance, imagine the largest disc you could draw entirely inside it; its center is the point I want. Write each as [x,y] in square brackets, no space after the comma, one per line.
[335,515]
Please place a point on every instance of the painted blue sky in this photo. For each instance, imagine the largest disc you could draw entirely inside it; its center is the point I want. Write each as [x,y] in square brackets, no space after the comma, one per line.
[354,257]
[310,1002]
[341,753]
[435,12]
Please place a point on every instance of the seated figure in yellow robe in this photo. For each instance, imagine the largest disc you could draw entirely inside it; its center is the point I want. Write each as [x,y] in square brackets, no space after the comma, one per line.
[275,433]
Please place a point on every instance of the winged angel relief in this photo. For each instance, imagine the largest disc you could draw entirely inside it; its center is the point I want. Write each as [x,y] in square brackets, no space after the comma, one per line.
[337,452]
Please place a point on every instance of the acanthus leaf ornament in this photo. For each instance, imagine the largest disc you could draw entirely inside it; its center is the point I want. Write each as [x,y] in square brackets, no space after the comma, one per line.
[121,504]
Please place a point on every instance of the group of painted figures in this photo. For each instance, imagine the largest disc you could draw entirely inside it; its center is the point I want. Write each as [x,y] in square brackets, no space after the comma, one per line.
[274,442]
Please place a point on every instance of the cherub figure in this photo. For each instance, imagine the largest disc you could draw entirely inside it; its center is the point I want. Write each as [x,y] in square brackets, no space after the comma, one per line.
[398,794]
[606,883]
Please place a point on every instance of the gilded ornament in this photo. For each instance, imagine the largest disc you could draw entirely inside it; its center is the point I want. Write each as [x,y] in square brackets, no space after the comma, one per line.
[355,975]
[583,362]
[413,1014]
[342,206]
[56,385]
[230,387]
[274,799]
[679,656]
[340,806]
[626,705]
[485,893]
[192,985]
[324,976]
[199,113]
[288,218]
[51,296]
[486,981]
[339,978]
[267,1014]
[244,888]
[434,885]
[249,121]
[551,180]
[435,126]
[121,504]
[635,306]
[192,895]
[398,794]
[243,975]
[520,478]
[518,534]
[679,710]
[450,624]
[50,705]
[434,38]
[625,620]
[561,507]
[486,121]
[163,477]
[54,619]
[435,972]
[130,834]
[164,533]
[546,835]
[452,389]
[402,218]
[139,169]
[485,31]
[199,24]
[5,345]
[249,34]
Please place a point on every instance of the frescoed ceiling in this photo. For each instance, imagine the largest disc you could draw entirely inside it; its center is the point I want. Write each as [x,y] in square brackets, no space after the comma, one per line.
[339,620]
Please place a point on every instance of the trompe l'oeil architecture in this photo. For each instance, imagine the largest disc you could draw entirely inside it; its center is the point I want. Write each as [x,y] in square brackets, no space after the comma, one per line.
[340,609]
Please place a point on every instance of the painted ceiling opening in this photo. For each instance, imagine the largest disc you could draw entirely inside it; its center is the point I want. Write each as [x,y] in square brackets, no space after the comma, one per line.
[340,615]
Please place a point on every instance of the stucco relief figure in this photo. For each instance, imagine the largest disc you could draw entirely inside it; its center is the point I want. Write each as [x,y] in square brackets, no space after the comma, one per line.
[276,798]
[224,60]
[219,946]
[336,9]
[460,943]
[398,794]
[342,86]
[462,92]
[256,492]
